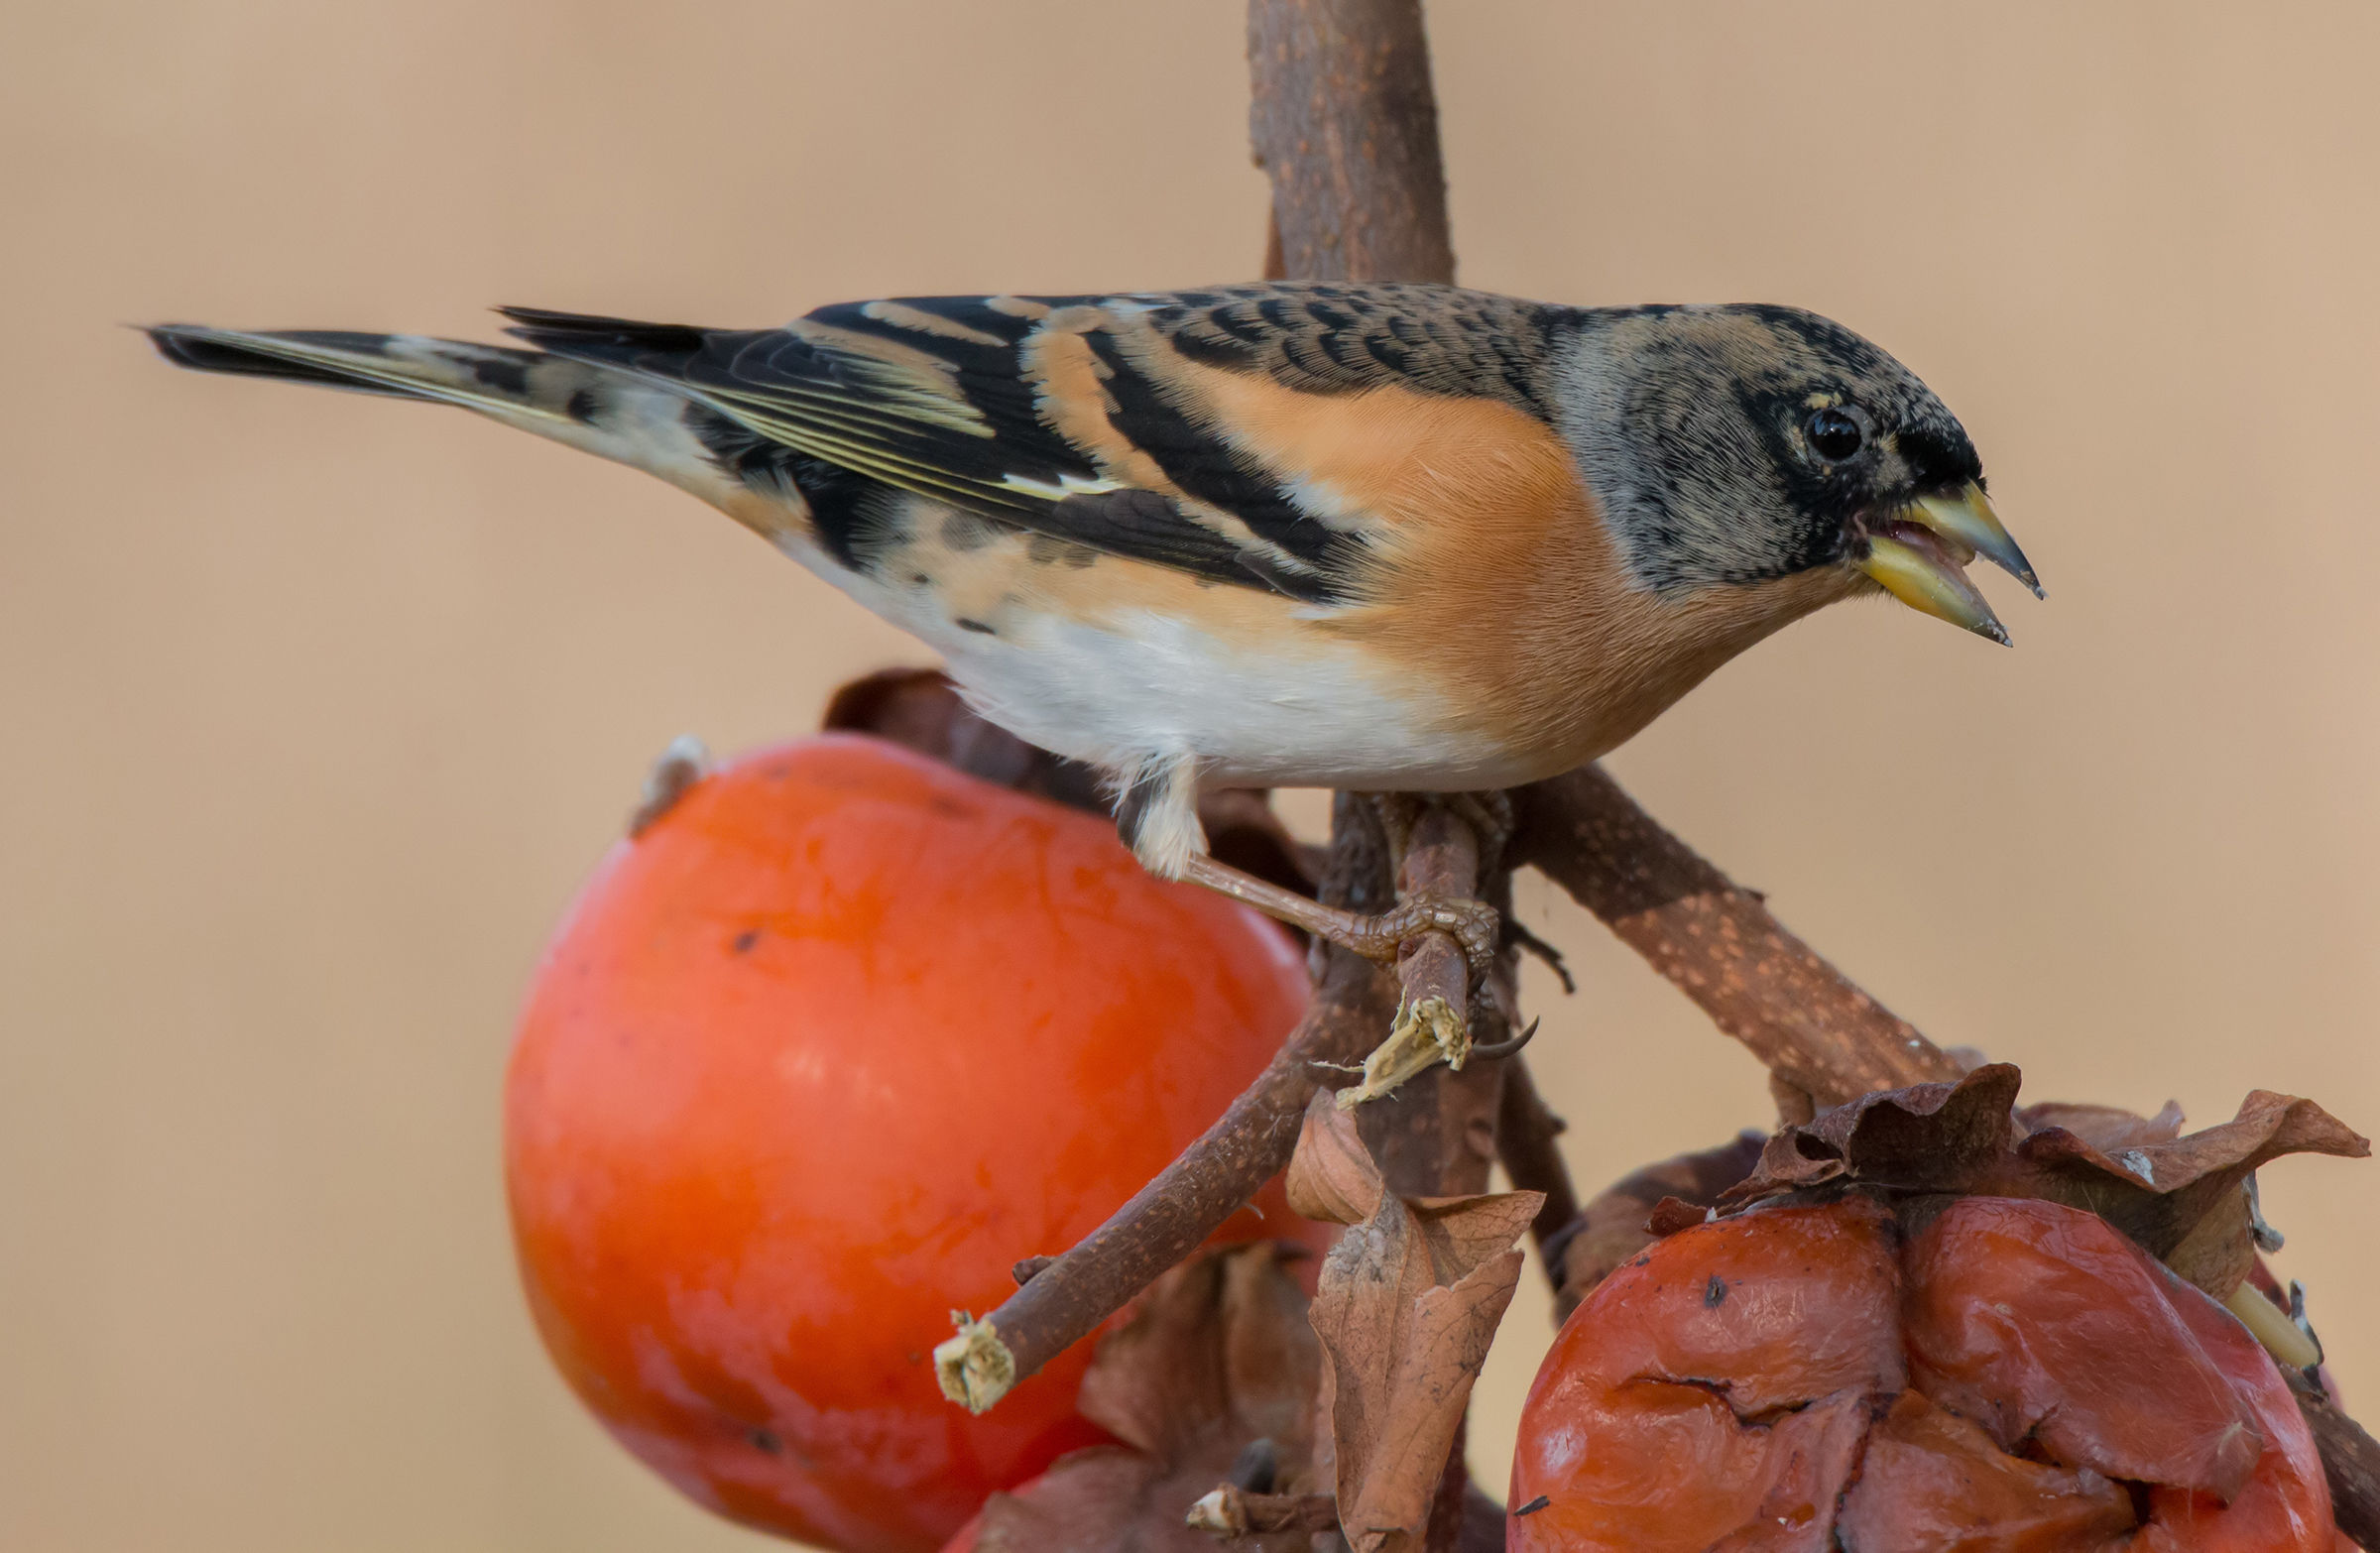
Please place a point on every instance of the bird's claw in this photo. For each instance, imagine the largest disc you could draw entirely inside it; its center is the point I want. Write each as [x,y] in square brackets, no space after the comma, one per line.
[1477,928]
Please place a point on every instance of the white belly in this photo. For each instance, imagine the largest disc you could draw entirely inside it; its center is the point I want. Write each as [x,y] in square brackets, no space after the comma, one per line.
[1141,686]
[1159,686]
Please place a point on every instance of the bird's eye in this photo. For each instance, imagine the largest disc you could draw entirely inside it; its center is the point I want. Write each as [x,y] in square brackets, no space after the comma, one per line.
[1835,435]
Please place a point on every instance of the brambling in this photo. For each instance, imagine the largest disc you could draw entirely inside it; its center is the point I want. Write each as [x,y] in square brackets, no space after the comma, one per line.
[1371,536]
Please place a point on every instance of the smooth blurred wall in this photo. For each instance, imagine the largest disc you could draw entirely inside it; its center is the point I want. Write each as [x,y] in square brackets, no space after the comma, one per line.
[316,709]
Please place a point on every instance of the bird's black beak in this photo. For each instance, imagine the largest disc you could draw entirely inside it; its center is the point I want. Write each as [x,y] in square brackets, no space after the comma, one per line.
[1920,552]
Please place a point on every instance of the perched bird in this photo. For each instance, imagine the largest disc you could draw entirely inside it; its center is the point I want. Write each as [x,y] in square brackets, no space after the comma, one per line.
[1371,536]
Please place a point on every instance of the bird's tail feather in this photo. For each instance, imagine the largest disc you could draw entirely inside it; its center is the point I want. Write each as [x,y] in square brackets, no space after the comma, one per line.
[605,409]
[489,378]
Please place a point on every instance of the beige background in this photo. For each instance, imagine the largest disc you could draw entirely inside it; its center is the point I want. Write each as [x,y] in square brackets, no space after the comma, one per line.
[316,709]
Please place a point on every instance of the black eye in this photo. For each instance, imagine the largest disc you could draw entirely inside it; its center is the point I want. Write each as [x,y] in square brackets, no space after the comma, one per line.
[1835,435]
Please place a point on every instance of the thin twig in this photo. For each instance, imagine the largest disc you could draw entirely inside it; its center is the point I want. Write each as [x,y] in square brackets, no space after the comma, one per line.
[1436,1137]
[1232,1512]
[1067,1298]
[1719,944]
[1525,1133]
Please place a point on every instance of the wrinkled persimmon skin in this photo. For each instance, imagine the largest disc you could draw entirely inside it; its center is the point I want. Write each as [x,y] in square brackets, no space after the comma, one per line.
[1933,1479]
[1631,1432]
[2287,1503]
[2033,1297]
[2013,1313]
[2045,1357]
[816,1059]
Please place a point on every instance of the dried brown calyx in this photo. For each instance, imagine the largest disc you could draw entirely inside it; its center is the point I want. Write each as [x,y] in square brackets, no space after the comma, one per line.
[2188,1199]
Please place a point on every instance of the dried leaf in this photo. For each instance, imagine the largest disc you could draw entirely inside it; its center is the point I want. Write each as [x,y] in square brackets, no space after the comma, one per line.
[1218,1347]
[1673,1216]
[1218,1354]
[1087,1503]
[1408,1303]
[1464,1232]
[2111,1128]
[1331,1175]
[2186,1198]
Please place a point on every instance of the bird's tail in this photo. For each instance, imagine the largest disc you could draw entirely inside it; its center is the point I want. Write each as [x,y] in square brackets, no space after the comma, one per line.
[610,410]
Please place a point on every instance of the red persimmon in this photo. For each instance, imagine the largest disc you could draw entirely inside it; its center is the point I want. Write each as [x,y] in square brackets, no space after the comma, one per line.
[814,1060]
[2019,1378]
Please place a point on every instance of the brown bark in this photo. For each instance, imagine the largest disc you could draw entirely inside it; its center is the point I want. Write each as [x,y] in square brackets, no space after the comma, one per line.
[1343,121]
[2350,1459]
[1719,944]
[1434,1137]
[1526,1130]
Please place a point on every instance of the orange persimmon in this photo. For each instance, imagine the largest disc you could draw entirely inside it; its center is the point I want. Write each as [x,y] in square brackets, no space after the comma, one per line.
[815,1058]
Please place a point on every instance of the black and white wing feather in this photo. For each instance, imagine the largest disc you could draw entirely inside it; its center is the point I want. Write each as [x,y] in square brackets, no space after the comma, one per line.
[1090,419]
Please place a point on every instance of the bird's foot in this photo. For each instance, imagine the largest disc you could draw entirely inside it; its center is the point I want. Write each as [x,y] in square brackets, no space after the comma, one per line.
[1475,925]
[1477,928]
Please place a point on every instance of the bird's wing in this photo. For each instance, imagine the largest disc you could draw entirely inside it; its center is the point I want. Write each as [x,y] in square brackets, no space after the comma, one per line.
[1162,427]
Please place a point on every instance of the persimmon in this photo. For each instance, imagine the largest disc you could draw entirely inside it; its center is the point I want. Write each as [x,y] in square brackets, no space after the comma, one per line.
[813,1060]
[2017,1378]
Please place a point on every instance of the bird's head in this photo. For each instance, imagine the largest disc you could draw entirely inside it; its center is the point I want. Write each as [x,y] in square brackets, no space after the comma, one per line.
[1735,446]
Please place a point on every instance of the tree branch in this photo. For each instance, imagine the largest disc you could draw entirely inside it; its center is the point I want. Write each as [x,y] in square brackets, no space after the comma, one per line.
[1067,1298]
[2350,1459]
[1525,1132]
[1345,123]
[1719,944]
[1435,1136]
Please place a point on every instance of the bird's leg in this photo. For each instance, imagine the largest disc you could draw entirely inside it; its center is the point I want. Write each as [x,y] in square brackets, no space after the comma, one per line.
[1473,924]
[1441,942]
[1446,970]
[1157,818]
[1479,928]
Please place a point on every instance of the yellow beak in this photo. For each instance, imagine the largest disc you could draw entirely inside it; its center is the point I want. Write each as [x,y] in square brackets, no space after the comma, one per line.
[1919,555]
